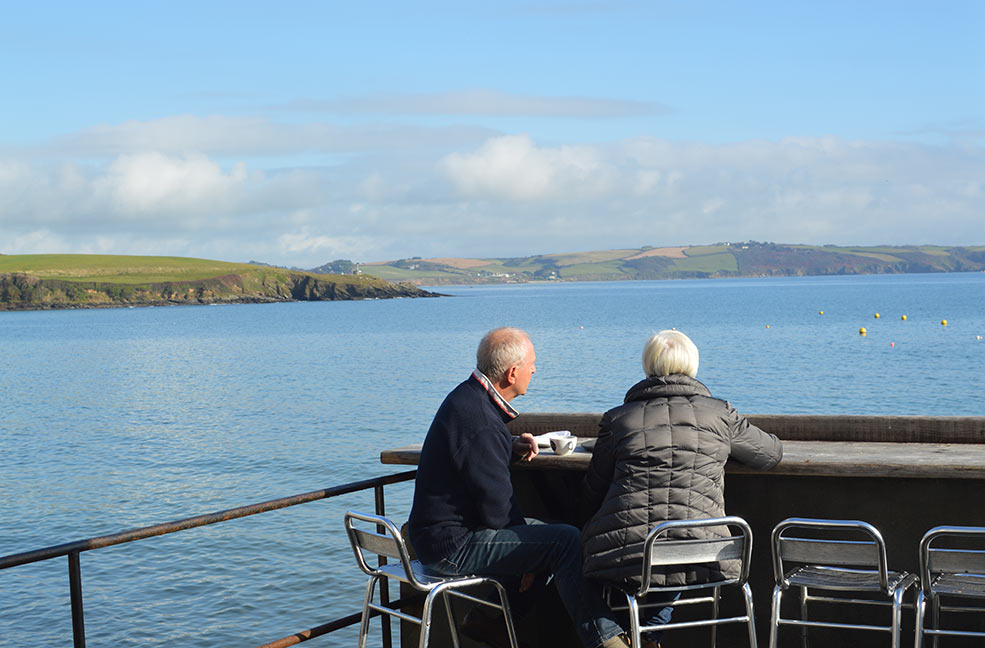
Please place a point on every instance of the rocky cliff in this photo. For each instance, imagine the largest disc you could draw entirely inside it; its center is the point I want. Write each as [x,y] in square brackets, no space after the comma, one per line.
[21,291]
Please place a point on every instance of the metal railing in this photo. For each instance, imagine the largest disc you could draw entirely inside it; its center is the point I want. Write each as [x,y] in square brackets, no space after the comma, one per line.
[73,549]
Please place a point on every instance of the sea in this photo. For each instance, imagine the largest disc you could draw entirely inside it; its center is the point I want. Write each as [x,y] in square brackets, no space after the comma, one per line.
[112,419]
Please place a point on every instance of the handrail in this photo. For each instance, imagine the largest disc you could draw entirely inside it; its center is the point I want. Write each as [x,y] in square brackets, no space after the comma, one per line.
[73,549]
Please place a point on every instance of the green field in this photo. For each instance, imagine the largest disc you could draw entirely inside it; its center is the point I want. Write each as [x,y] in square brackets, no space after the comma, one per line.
[120,269]
[711,263]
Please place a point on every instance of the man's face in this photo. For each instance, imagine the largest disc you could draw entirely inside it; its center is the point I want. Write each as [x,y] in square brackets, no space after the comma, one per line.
[525,370]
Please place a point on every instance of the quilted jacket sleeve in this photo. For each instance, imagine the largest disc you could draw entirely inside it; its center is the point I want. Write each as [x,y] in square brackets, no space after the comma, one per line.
[600,470]
[752,446]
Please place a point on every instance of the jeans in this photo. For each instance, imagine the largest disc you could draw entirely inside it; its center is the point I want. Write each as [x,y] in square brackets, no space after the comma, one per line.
[537,547]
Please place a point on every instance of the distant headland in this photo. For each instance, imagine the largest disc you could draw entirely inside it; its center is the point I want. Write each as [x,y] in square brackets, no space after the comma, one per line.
[56,281]
[744,259]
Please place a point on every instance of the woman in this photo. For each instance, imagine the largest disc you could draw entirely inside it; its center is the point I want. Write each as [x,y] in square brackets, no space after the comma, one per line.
[661,456]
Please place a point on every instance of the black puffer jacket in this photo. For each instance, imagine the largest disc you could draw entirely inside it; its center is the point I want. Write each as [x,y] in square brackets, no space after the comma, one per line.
[661,456]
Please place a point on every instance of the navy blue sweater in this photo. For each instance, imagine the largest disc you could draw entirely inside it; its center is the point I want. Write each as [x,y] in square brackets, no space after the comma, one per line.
[463,477]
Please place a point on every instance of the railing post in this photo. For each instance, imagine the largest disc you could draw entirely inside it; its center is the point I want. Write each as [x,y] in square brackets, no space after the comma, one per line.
[384,582]
[75,587]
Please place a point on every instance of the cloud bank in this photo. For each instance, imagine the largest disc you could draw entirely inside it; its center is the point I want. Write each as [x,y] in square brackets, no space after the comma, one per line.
[219,187]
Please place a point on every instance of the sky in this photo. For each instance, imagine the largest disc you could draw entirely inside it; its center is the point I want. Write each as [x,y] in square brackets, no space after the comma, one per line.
[296,133]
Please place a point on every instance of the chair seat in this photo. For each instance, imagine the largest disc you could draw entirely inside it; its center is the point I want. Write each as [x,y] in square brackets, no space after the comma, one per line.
[959,585]
[429,581]
[844,579]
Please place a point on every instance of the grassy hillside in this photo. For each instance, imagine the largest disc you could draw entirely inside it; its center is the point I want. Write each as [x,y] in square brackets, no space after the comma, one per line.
[44,281]
[747,259]
[118,269]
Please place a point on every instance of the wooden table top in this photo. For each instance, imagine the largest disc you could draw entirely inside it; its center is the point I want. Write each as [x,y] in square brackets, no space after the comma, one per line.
[819,458]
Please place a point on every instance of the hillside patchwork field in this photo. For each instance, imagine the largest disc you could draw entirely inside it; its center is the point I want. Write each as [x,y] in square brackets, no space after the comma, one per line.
[745,259]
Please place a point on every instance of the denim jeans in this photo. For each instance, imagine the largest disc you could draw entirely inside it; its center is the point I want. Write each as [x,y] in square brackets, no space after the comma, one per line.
[537,547]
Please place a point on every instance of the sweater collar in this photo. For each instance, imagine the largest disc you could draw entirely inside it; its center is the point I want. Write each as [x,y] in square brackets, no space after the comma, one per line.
[503,404]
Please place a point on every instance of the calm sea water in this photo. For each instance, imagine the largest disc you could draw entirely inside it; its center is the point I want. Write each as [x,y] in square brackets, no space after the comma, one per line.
[113,419]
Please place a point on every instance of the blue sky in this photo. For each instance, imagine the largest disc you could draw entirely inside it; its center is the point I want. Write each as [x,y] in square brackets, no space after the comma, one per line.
[296,133]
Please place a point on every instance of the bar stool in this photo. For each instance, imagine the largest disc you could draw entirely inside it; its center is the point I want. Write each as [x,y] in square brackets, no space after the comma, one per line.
[658,551]
[837,555]
[956,571]
[375,534]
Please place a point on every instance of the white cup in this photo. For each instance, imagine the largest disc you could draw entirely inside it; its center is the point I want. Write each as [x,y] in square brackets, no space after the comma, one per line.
[563,445]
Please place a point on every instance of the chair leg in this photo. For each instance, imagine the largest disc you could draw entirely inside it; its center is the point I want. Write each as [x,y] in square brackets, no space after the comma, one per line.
[935,613]
[714,615]
[634,621]
[775,615]
[803,615]
[897,616]
[504,603]
[747,592]
[426,615]
[921,609]
[452,626]
[364,622]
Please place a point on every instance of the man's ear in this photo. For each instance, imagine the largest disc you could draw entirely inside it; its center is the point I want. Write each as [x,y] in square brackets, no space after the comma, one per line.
[511,375]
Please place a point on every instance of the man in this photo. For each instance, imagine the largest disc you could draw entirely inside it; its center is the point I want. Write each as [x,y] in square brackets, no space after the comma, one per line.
[465,518]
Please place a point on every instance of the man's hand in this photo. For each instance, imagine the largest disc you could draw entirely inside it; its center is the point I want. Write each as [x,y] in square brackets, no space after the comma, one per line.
[525,446]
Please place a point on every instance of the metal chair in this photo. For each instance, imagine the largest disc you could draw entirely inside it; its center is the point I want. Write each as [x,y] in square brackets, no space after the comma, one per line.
[955,571]
[383,539]
[837,555]
[661,552]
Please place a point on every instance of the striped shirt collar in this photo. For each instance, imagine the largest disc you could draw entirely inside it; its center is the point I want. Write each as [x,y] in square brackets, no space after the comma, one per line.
[495,395]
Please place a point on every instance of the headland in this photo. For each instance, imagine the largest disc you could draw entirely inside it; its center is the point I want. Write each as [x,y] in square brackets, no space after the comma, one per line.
[59,281]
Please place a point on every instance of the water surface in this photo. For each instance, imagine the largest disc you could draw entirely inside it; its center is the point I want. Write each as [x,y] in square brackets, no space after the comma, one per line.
[113,419]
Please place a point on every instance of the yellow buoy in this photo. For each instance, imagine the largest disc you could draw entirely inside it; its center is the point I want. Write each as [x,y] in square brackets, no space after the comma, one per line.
[943,322]
[903,317]
[862,331]
[877,315]
[820,312]
[767,326]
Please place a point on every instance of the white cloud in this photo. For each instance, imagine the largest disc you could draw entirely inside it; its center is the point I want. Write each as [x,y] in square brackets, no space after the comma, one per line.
[154,183]
[512,168]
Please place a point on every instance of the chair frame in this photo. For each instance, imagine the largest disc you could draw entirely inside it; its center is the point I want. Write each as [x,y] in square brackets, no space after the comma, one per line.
[386,542]
[936,565]
[661,552]
[833,564]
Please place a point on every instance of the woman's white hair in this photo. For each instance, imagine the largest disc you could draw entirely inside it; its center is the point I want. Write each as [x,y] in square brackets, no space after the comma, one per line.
[501,349]
[670,352]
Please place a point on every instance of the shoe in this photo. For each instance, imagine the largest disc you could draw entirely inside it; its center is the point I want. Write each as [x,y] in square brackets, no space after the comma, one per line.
[490,629]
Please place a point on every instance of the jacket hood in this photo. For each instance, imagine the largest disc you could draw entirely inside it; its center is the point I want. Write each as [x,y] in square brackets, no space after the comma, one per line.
[664,387]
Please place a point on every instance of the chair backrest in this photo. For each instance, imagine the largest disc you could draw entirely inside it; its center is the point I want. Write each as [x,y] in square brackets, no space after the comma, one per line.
[658,551]
[844,543]
[377,535]
[965,553]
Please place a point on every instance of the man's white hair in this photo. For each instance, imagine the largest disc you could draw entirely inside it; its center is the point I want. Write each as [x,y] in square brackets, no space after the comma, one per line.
[670,352]
[501,349]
